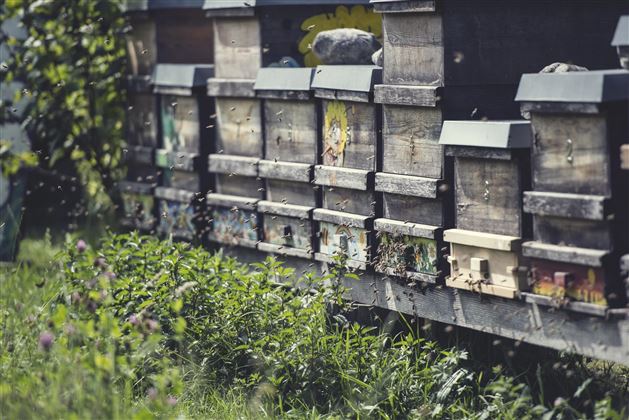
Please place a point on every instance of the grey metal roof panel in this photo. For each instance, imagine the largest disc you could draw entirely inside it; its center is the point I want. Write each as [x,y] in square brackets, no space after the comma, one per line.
[495,134]
[143,5]
[237,4]
[353,78]
[621,36]
[575,87]
[182,75]
[281,78]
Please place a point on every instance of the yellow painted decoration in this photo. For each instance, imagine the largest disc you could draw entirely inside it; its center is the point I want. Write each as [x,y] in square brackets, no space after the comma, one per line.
[335,133]
[358,17]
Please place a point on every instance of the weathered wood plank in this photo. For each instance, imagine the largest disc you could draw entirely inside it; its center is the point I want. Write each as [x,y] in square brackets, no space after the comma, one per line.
[141,47]
[410,138]
[288,171]
[567,254]
[414,49]
[286,251]
[425,96]
[288,232]
[480,152]
[408,185]
[355,179]
[236,88]
[483,240]
[184,36]
[239,127]
[570,154]
[412,6]
[230,164]
[230,201]
[237,47]
[597,234]
[291,192]
[281,209]
[410,276]
[139,155]
[406,228]
[142,120]
[426,211]
[569,305]
[180,161]
[245,186]
[189,181]
[349,134]
[181,128]
[349,200]
[174,194]
[579,206]
[350,263]
[342,218]
[290,131]
[489,196]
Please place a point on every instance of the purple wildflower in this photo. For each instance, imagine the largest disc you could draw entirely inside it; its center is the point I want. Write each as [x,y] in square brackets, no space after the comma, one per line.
[46,339]
[133,320]
[81,245]
[172,401]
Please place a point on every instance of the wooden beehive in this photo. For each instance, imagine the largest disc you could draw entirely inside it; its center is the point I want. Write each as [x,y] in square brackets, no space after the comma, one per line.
[139,211]
[491,162]
[350,124]
[184,117]
[233,220]
[290,137]
[579,199]
[343,235]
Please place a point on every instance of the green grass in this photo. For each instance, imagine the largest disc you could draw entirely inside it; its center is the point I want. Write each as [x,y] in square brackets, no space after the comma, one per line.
[141,328]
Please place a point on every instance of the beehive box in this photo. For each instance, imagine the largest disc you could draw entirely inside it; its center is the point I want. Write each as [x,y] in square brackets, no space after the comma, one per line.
[343,235]
[139,210]
[233,220]
[167,31]
[184,116]
[579,199]
[290,137]
[491,161]
[621,41]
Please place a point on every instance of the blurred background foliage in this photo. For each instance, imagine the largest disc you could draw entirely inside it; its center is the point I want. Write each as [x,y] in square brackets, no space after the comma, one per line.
[71,65]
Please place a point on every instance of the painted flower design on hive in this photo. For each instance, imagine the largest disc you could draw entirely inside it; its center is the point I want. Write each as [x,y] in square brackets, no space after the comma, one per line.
[336,133]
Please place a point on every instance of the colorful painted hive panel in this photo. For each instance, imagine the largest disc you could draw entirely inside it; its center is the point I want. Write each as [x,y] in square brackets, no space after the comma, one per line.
[561,280]
[139,209]
[345,240]
[403,253]
[239,127]
[411,141]
[349,134]
[188,181]
[288,231]
[229,226]
[142,120]
[488,196]
[180,124]
[570,154]
[177,218]
[290,131]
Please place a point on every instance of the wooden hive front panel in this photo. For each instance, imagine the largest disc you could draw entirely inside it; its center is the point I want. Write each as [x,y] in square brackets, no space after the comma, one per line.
[410,138]
[414,49]
[138,205]
[349,134]
[349,200]
[184,180]
[428,211]
[239,127]
[183,37]
[137,172]
[292,192]
[237,47]
[341,239]
[243,186]
[596,234]
[142,120]
[141,47]
[289,232]
[290,131]
[232,226]
[570,153]
[488,196]
[181,128]
[177,218]
[408,256]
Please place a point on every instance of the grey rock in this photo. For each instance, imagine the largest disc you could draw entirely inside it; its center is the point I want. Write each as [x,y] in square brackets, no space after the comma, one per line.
[378,58]
[345,46]
[562,68]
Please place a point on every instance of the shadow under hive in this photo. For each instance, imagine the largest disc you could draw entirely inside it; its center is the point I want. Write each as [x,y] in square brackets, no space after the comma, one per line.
[184,116]
[350,122]
[579,199]
[290,137]
[491,162]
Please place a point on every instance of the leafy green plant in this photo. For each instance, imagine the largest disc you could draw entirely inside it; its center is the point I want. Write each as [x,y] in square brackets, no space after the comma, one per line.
[71,64]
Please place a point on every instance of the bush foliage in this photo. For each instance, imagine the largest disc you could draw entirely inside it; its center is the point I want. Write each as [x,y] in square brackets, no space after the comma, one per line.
[140,328]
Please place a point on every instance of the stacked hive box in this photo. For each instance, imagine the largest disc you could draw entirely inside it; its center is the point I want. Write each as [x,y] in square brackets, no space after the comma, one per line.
[164,31]
[457,60]
[249,35]
[579,203]
[290,137]
[350,125]
[142,140]
[491,161]
[184,116]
